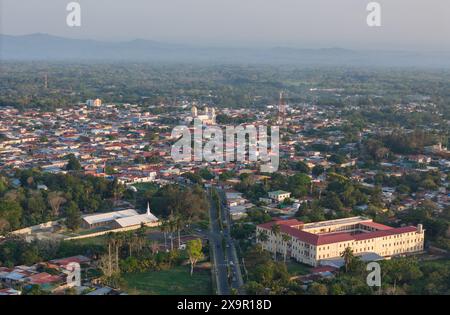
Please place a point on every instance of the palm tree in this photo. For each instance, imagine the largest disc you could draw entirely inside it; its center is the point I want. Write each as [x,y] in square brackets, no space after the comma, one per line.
[262,236]
[179,224]
[129,239]
[348,256]
[118,241]
[140,237]
[110,239]
[154,247]
[286,238]
[164,229]
[276,231]
[172,227]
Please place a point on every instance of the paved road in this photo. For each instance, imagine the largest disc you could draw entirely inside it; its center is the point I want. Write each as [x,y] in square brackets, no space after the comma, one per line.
[218,259]
[235,275]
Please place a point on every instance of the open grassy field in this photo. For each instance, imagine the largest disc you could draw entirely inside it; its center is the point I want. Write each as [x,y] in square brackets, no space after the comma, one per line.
[146,186]
[297,269]
[176,281]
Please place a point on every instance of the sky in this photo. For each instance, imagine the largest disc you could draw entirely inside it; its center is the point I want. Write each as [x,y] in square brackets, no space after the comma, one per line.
[405,24]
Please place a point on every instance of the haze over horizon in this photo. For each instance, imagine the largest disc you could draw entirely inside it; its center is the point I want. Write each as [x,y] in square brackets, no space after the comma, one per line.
[406,24]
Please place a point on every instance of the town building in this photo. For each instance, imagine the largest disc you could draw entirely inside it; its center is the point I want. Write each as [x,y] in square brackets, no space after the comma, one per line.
[119,219]
[316,243]
[96,103]
[208,118]
[279,195]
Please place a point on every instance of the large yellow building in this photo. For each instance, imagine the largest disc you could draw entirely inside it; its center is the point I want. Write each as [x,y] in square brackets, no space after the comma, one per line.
[313,243]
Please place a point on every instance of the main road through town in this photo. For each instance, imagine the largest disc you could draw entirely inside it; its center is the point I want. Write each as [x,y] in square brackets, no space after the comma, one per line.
[234,271]
[220,265]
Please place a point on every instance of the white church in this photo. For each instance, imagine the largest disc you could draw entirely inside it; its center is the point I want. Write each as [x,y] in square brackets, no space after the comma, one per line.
[120,219]
[209,116]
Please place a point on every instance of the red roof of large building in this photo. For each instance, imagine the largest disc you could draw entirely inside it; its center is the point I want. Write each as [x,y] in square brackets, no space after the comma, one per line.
[286,226]
[393,231]
[377,226]
[290,222]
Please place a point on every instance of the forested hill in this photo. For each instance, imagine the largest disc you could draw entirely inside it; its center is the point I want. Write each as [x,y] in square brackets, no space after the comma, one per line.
[48,47]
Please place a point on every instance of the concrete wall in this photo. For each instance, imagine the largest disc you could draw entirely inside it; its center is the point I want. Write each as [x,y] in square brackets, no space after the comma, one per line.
[129,228]
[34,228]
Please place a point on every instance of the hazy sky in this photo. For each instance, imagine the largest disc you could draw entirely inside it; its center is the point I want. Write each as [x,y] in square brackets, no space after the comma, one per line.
[406,24]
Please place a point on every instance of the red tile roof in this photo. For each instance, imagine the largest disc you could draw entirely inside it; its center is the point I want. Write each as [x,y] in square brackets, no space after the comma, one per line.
[377,226]
[42,278]
[393,231]
[322,239]
[65,261]
[279,221]
[323,269]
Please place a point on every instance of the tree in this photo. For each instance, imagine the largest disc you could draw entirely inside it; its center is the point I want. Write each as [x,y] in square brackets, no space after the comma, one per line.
[254,288]
[286,238]
[301,167]
[73,164]
[275,231]
[110,170]
[401,270]
[117,189]
[34,290]
[337,158]
[194,251]
[106,266]
[179,224]
[73,216]
[141,238]
[318,289]
[36,208]
[107,261]
[317,170]
[172,199]
[171,227]
[70,291]
[55,200]
[29,254]
[118,240]
[154,247]
[262,236]
[206,174]
[129,239]
[10,213]
[4,226]
[348,256]
[332,201]
[164,228]
[3,184]
[299,184]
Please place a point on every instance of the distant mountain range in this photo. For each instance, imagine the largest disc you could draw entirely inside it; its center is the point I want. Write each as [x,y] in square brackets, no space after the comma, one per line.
[49,47]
